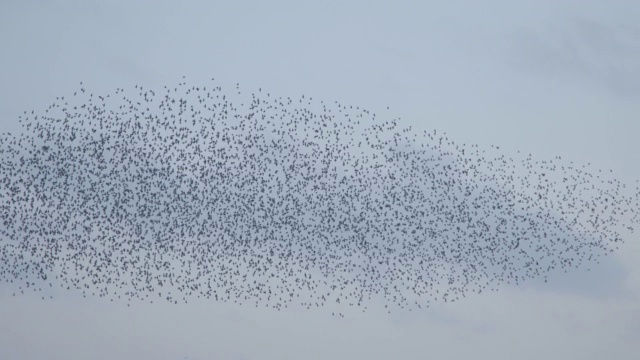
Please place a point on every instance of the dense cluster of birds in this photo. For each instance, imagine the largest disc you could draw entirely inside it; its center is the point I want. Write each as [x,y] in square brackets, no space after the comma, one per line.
[191,191]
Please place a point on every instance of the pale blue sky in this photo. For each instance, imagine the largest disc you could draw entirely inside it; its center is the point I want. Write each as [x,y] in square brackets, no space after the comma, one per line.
[542,77]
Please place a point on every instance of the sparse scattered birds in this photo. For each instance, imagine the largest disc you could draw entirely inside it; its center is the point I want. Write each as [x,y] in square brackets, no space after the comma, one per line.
[189,192]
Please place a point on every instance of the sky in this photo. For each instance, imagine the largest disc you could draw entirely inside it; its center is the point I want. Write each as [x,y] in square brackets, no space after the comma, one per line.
[550,78]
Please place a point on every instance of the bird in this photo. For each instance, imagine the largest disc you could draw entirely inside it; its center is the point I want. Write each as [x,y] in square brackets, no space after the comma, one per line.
[193,191]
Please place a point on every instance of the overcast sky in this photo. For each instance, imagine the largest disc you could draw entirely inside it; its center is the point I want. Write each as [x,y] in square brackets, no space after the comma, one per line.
[542,77]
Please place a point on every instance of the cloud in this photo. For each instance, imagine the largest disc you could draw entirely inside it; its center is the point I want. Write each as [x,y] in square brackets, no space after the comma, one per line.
[582,51]
[602,281]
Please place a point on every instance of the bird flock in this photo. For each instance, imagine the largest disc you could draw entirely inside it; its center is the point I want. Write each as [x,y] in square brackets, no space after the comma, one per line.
[197,192]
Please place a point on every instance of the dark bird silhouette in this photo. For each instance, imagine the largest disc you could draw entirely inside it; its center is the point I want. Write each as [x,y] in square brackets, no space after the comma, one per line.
[194,192]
